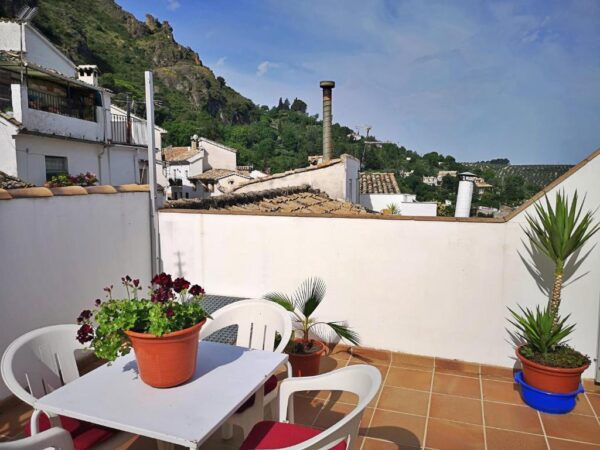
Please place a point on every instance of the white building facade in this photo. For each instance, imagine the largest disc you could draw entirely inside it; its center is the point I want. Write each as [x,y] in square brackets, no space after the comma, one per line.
[52,122]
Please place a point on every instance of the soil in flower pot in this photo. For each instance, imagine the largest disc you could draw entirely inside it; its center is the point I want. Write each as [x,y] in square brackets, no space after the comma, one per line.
[168,360]
[306,362]
[538,371]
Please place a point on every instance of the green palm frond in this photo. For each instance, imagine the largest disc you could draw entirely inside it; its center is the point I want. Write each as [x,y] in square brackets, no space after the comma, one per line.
[538,329]
[344,332]
[309,295]
[560,230]
[281,299]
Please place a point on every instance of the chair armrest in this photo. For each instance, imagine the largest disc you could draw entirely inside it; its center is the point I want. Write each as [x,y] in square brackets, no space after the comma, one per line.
[53,418]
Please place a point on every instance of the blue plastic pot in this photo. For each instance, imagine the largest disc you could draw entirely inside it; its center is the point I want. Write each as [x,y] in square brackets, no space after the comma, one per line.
[547,402]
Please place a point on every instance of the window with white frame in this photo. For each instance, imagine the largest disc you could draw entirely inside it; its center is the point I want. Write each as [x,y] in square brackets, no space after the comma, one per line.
[56,165]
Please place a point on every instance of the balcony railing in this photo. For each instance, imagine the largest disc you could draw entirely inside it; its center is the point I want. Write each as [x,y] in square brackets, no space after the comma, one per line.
[128,130]
[65,106]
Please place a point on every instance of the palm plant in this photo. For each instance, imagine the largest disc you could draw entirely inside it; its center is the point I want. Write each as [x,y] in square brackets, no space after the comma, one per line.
[393,208]
[558,232]
[303,303]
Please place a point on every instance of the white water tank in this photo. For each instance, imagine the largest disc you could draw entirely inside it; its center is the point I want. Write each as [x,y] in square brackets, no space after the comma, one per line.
[465,194]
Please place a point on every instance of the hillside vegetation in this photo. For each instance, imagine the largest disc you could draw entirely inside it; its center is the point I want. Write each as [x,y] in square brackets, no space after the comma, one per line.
[191,99]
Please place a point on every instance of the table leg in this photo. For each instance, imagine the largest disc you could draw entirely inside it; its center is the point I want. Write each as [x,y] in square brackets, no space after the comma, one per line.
[162,445]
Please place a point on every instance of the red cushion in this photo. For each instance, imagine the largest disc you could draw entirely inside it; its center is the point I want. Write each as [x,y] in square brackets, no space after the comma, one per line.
[277,435]
[85,435]
[269,386]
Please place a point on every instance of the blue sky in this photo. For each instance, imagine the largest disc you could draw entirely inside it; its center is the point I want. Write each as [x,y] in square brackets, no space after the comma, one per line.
[475,79]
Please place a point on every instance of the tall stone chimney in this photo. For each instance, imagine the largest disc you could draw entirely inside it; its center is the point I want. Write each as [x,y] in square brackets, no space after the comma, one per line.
[327,87]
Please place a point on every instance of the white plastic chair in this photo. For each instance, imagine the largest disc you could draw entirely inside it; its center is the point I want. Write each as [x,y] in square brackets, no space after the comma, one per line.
[258,322]
[44,360]
[56,438]
[362,380]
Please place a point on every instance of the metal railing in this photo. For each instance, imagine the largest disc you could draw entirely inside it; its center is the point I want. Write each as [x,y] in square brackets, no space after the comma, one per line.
[128,130]
[65,106]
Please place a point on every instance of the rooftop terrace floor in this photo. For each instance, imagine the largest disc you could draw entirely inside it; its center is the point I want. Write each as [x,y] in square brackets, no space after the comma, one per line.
[423,403]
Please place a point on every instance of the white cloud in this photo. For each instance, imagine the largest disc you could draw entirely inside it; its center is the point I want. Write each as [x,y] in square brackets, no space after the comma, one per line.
[221,61]
[173,4]
[264,67]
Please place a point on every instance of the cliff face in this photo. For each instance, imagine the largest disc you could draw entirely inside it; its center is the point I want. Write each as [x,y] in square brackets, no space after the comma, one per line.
[101,32]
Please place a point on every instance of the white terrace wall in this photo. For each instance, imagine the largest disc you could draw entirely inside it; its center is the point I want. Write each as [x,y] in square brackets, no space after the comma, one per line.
[58,253]
[429,287]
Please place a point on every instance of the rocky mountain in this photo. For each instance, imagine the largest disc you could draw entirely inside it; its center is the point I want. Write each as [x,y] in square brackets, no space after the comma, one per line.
[101,32]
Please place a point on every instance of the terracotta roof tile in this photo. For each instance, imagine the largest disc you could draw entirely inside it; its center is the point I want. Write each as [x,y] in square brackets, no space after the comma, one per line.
[216,174]
[378,183]
[289,200]
[173,154]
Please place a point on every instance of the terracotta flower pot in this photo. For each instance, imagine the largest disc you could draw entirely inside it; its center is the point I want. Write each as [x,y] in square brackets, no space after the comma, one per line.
[550,379]
[307,365]
[168,360]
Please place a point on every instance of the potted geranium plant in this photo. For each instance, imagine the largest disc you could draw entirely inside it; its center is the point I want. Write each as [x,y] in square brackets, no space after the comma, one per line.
[305,352]
[162,329]
[549,364]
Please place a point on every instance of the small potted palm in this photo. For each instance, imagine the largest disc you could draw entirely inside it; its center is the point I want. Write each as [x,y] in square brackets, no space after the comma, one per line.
[305,352]
[162,329]
[549,364]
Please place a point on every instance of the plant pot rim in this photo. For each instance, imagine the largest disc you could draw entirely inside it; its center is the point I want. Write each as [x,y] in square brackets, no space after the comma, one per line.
[569,370]
[187,330]
[305,355]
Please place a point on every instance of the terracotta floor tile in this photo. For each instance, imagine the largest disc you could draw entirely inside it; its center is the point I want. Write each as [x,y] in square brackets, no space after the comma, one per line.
[371,356]
[459,409]
[404,400]
[457,373]
[14,418]
[376,444]
[595,401]
[591,386]
[572,426]
[558,444]
[512,417]
[455,365]
[512,440]
[382,368]
[328,364]
[583,407]
[497,372]
[402,429]
[442,434]
[408,360]
[333,413]
[453,385]
[306,409]
[501,391]
[409,378]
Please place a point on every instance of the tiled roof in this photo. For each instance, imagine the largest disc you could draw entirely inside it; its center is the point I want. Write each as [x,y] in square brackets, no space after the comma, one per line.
[217,174]
[289,200]
[11,119]
[291,172]
[9,182]
[176,154]
[378,183]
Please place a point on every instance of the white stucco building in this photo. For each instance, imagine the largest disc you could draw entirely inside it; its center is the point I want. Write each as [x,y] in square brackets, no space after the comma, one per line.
[205,168]
[54,119]
[380,190]
[338,178]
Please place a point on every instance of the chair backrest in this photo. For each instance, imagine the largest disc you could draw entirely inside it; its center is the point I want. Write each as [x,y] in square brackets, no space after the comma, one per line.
[42,360]
[362,380]
[56,437]
[257,321]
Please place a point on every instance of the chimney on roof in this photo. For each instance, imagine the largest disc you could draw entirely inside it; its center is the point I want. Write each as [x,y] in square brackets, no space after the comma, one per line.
[195,140]
[465,194]
[327,87]
[88,74]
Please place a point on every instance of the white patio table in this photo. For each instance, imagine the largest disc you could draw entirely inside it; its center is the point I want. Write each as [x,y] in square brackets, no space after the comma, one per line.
[114,396]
